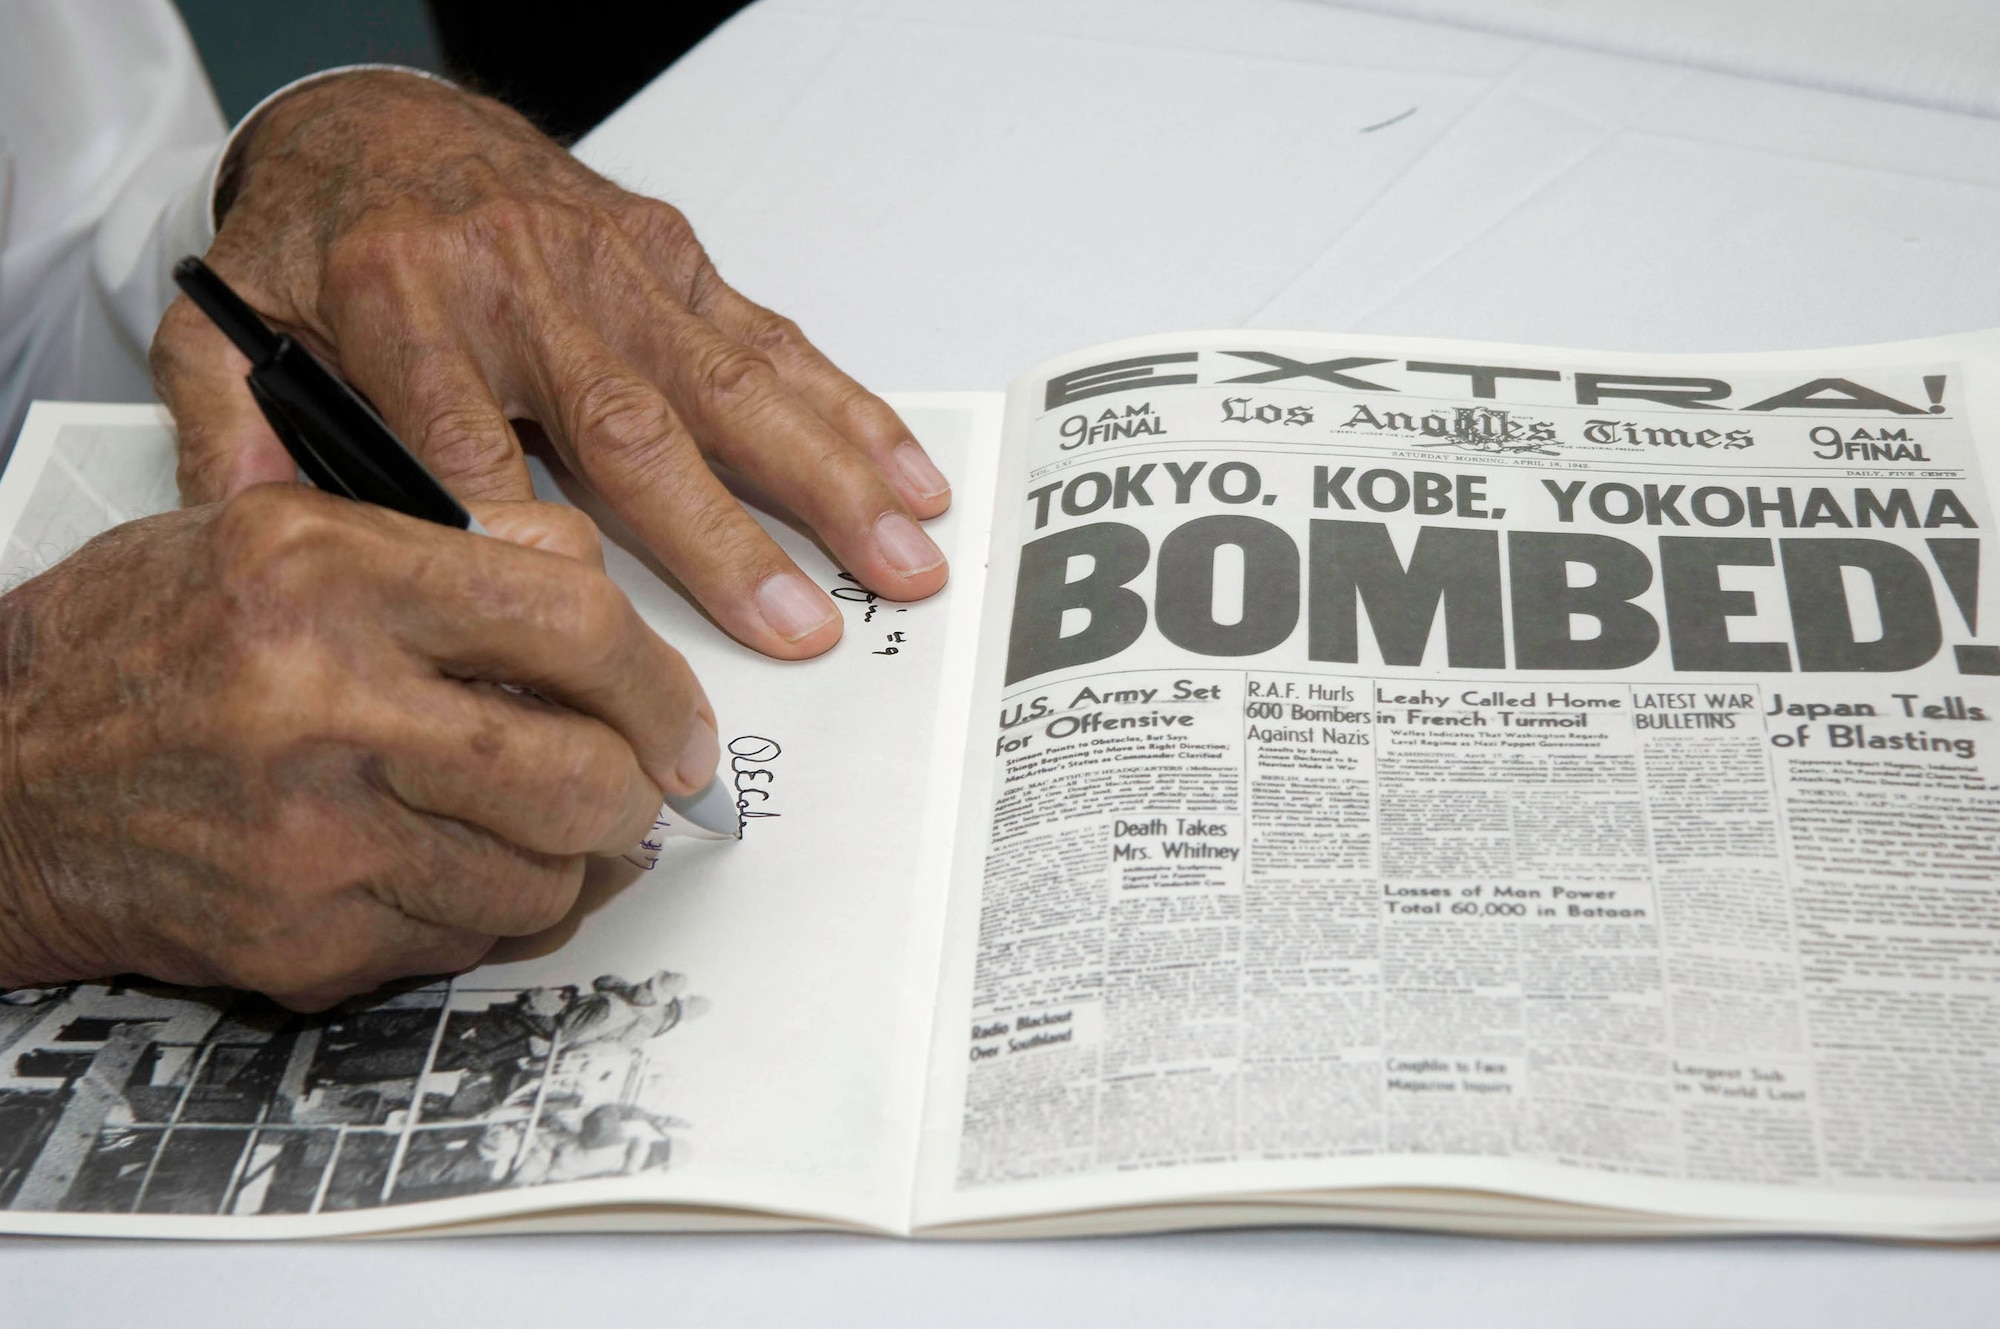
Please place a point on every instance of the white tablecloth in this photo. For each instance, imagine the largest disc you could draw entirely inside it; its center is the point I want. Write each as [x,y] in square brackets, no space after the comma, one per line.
[943,191]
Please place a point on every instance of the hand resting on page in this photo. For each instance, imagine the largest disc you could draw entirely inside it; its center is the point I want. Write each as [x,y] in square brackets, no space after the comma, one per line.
[466,273]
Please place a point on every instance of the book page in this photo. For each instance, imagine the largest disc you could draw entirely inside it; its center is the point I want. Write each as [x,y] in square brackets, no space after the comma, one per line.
[730,1028]
[1484,768]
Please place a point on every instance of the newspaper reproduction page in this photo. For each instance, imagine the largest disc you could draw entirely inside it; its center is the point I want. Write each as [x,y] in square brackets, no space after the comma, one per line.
[1494,768]
[720,1035]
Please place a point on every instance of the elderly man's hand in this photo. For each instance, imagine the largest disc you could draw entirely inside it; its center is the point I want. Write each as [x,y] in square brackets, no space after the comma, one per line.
[261,744]
[464,271]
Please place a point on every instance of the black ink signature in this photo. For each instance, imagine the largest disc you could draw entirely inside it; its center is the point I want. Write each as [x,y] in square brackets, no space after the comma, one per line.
[857,594]
[751,777]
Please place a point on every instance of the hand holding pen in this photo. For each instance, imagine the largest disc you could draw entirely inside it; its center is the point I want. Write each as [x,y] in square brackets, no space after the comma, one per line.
[344,448]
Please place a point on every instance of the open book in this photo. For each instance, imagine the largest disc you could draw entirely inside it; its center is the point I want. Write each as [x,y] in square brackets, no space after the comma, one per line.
[1348,780]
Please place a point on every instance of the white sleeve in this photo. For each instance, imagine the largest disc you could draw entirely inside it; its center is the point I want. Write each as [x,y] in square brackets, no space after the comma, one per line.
[160,215]
[106,124]
[110,143]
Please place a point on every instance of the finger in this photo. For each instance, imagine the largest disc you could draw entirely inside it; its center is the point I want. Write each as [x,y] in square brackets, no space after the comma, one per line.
[356,945]
[732,400]
[463,878]
[396,346]
[553,527]
[673,256]
[539,776]
[624,439]
[858,415]
[487,609]
[225,443]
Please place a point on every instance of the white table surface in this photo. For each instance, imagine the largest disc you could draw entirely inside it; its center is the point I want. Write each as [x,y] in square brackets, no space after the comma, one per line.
[943,191]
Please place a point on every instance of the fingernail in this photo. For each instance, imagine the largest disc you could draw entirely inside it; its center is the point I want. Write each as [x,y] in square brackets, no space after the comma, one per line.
[904,545]
[919,472]
[793,606]
[700,757]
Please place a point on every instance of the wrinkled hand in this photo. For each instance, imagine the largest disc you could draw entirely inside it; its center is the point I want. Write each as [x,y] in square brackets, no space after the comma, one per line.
[464,271]
[260,744]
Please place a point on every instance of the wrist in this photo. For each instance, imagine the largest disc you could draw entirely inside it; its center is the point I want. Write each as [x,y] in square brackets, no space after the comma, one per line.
[227,180]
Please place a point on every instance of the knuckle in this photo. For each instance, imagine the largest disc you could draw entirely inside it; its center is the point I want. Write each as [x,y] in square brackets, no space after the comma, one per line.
[555,889]
[656,220]
[274,547]
[454,953]
[859,413]
[594,797]
[275,539]
[618,417]
[543,895]
[596,619]
[293,966]
[466,443]
[572,531]
[501,218]
[728,371]
[663,229]
[462,952]
[269,519]
[777,337]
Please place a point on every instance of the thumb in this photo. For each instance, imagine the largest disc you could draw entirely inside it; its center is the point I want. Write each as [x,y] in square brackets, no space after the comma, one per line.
[225,443]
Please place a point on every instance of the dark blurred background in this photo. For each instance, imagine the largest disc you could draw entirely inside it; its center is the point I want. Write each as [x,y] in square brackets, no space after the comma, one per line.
[565,63]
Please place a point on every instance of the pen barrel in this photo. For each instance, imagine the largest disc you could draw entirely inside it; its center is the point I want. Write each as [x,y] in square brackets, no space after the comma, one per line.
[347,440]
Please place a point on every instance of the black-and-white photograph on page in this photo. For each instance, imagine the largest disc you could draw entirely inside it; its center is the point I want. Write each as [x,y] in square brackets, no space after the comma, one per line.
[143,1099]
